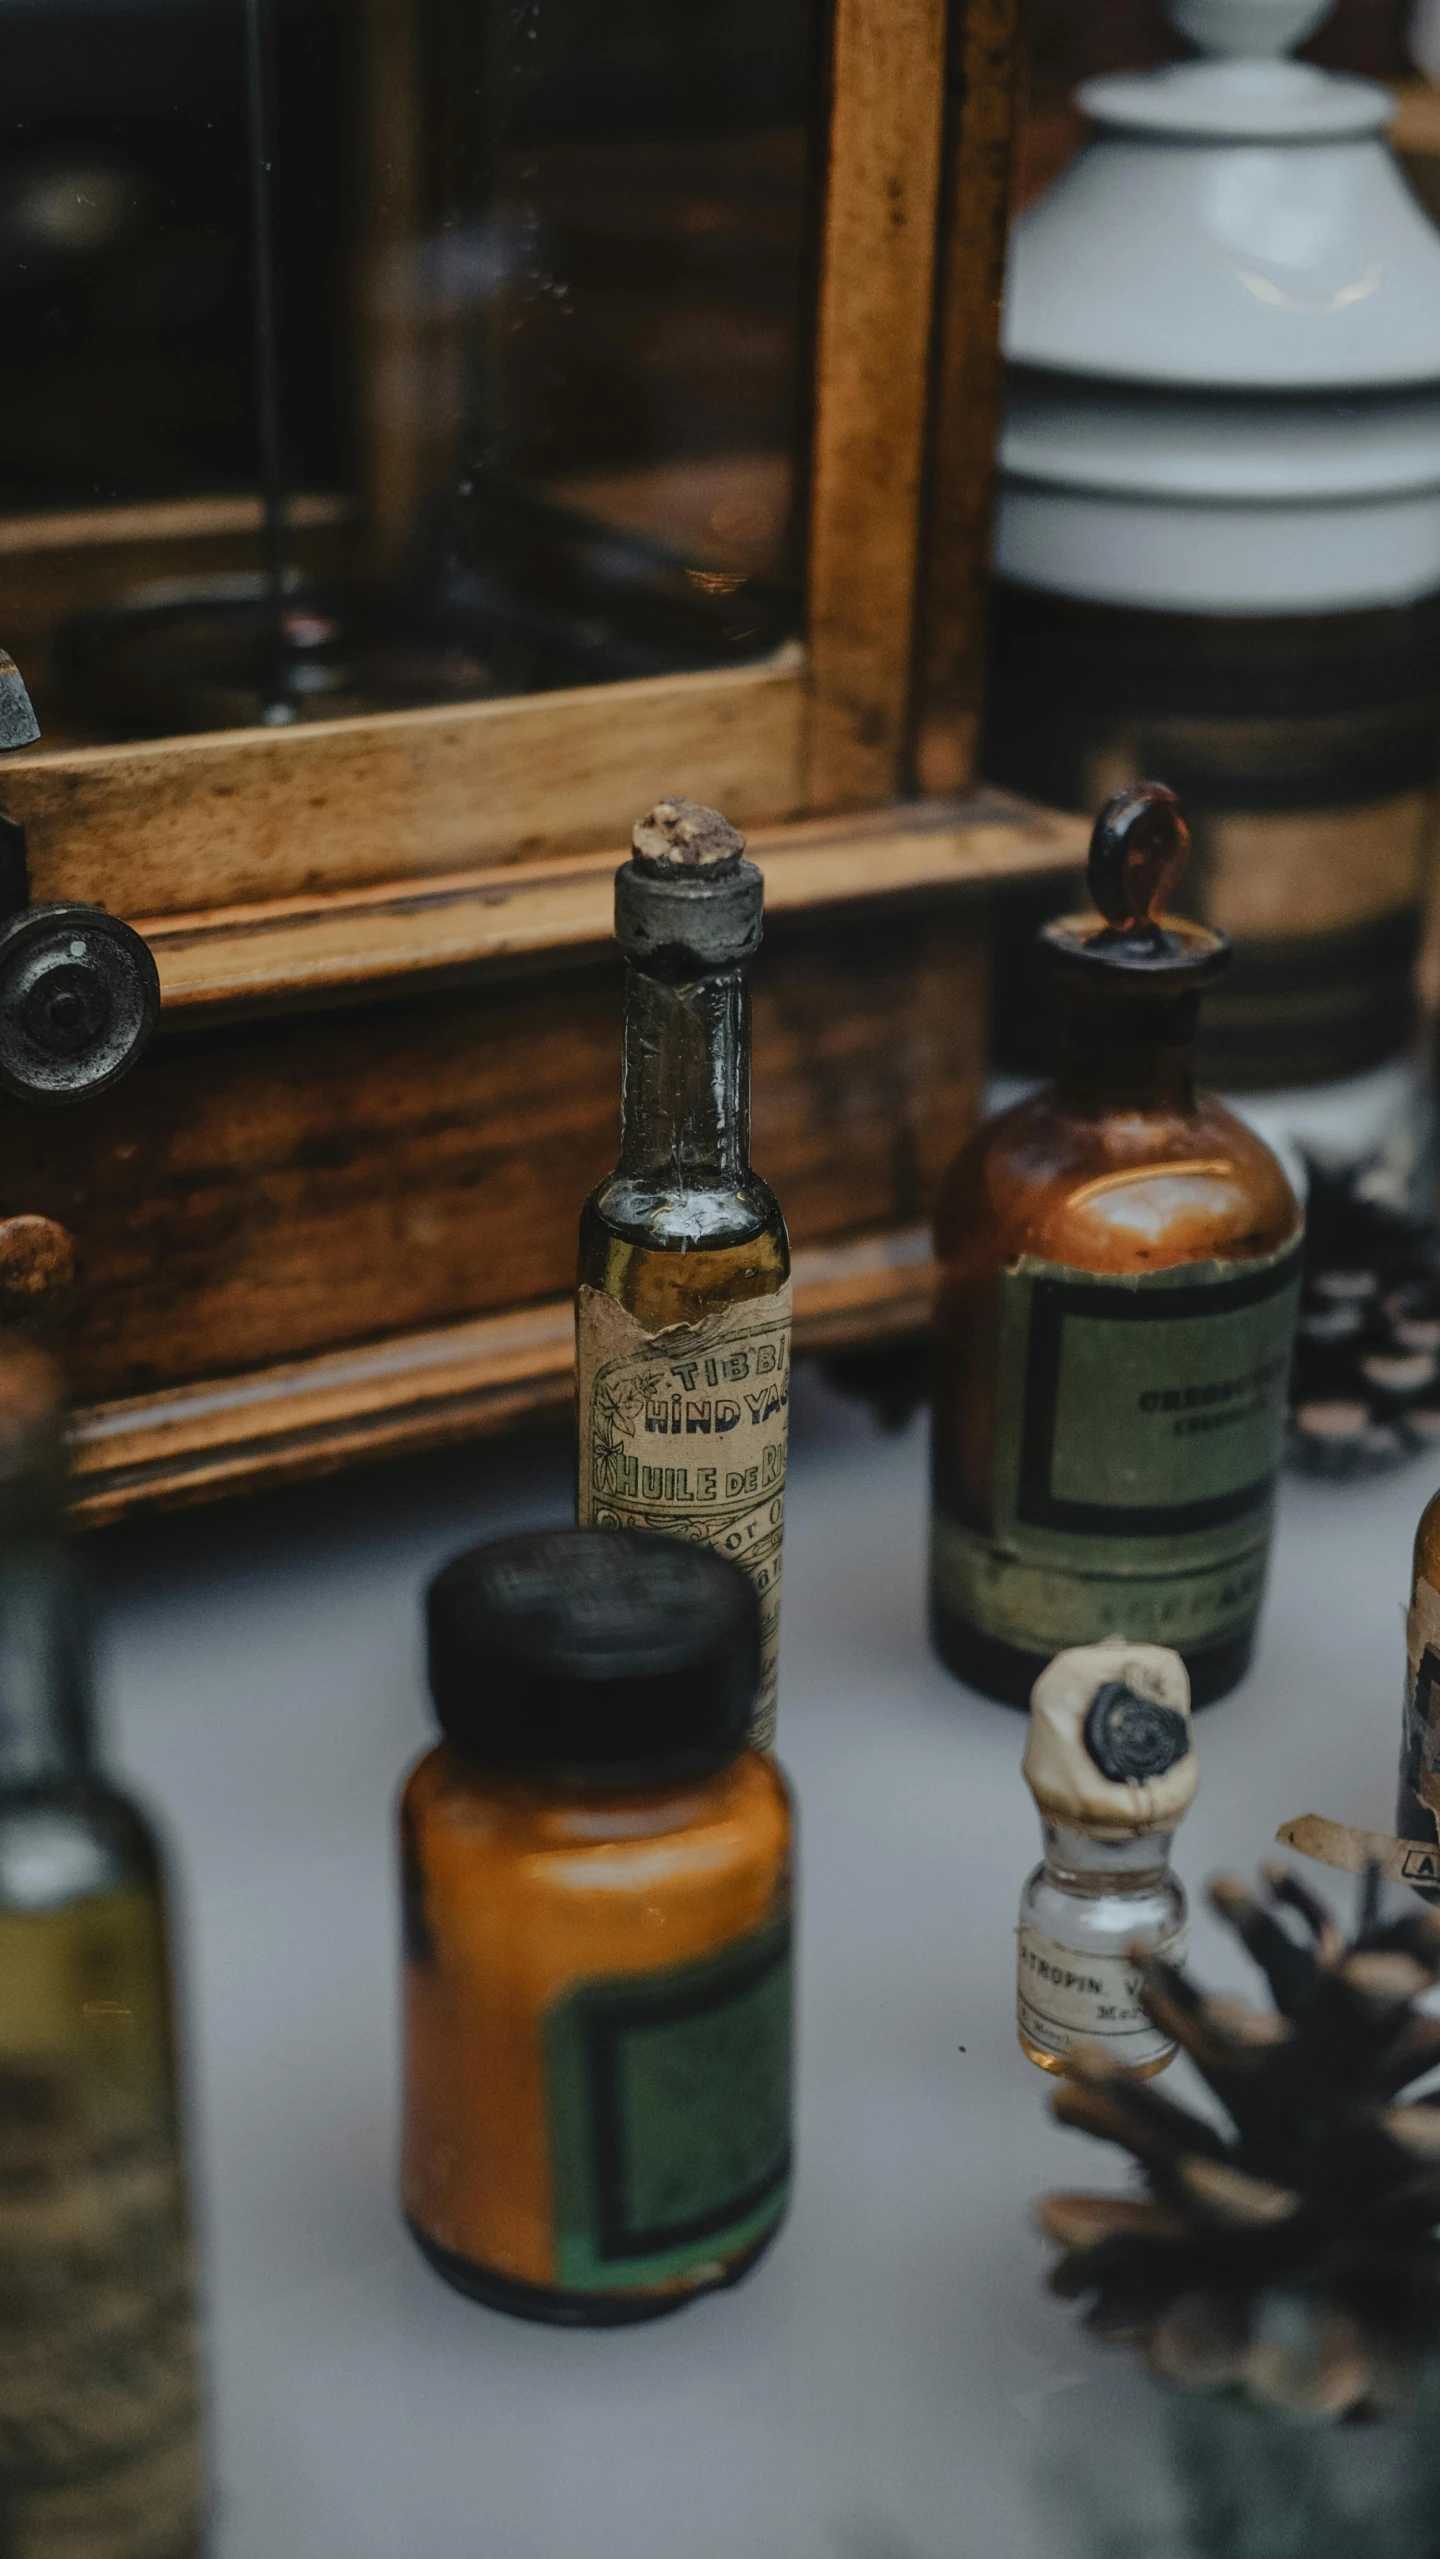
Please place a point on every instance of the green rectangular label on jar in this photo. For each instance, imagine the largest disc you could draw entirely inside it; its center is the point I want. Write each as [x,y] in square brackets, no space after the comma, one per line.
[1140,1423]
[1148,1408]
[669,2114]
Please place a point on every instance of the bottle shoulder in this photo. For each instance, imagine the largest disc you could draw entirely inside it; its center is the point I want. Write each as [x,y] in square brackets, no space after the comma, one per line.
[500,1827]
[62,1843]
[1115,1190]
[664,1283]
[670,1218]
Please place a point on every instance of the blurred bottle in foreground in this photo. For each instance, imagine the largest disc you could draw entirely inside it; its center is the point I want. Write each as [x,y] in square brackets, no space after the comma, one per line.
[100,2446]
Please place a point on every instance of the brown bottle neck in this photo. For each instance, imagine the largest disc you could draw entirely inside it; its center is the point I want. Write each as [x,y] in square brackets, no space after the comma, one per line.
[1123,1049]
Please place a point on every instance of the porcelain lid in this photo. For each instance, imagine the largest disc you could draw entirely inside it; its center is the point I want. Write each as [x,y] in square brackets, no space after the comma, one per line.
[1235,223]
[1243,89]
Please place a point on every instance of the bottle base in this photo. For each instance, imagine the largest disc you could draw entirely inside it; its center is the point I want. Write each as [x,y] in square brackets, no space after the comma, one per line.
[1007,1672]
[1054,2062]
[574,2309]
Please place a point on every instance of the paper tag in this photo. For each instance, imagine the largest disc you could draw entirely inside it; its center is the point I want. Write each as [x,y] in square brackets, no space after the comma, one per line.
[685,1431]
[1340,1844]
[1066,1998]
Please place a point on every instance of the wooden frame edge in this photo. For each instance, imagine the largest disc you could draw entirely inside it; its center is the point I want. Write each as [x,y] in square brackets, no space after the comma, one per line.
[423,1390]
[240,816]
[294,950]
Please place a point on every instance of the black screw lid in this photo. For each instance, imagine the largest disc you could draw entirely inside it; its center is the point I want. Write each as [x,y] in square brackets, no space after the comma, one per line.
[594,1652]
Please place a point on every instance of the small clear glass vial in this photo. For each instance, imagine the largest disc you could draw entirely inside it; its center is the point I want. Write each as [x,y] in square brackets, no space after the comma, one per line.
[1111,1766]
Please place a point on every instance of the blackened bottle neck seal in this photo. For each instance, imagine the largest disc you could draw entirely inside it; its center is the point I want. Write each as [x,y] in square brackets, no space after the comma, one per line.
[688,902]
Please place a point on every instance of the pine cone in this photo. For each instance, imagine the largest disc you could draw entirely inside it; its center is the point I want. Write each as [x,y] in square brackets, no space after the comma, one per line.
[1293,2256]
[1365,1391]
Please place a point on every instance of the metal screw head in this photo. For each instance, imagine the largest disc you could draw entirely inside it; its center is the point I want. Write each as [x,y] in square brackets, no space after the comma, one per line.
[79,1000]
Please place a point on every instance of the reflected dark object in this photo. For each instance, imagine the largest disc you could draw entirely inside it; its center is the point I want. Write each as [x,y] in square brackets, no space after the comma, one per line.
[535,351]
[538,597]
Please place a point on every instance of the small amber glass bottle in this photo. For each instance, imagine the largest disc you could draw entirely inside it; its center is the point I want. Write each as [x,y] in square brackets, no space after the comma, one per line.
[682,1312]
[597,1888]
[1417,1815]
[1119,1267]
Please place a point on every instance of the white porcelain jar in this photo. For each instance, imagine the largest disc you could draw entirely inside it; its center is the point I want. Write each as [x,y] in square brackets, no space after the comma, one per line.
[1218,530]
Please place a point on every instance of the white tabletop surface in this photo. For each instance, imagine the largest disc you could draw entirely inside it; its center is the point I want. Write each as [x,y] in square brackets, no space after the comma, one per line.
[892,2382]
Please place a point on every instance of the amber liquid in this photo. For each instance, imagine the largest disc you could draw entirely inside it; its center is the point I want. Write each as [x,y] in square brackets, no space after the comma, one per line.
[1052,2062]
[1119,1168]
[515,1893]
[100,2448]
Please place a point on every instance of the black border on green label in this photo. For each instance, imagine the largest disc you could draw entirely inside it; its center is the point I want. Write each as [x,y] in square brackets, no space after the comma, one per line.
[609,2014]
[1051,1301]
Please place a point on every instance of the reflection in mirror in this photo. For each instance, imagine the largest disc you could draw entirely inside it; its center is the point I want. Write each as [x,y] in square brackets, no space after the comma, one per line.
[540,287]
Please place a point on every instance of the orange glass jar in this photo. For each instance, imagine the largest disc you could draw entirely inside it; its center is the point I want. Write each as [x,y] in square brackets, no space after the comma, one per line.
[1119,1270]
[597,1896]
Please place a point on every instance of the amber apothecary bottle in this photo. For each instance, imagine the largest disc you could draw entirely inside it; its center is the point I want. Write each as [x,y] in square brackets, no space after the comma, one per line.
[597,1889]
[100,2447]
[1417,1815]
[1119,1262]
[682,1347]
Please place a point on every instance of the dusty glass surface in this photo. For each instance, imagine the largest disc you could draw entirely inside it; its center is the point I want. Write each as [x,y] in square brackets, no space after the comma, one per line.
[542,287]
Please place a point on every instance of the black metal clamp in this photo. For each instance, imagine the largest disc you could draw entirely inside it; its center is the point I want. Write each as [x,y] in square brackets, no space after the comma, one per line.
[79,1001]
[79,990]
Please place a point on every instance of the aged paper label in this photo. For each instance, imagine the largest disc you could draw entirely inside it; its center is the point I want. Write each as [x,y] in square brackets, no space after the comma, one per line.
[1417,1809]
[1140,1426]
[1340,1844]
[685,1431]
[1066,1999]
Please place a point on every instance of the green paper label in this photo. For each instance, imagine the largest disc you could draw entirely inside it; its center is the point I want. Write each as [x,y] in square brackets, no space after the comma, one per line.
[669,2113]
[1140,1424]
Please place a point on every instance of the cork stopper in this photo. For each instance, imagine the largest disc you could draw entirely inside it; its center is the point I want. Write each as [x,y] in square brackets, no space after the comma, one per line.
[687,902]
[1109,1750]
[1138,852]
[683,836]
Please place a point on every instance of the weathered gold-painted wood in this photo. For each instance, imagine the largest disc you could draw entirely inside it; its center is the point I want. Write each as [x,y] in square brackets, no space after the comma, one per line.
[422,1390]
[985,74]
[297,948]
[267,1193]
[877,284]
[244,815]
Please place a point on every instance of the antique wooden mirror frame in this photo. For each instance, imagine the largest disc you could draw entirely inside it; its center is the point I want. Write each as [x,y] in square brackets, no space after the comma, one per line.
[291,1256]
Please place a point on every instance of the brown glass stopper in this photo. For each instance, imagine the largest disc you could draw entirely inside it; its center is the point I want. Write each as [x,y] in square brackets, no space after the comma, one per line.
[1138,851]
[685,836]
[38,1273]
[32,1446]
